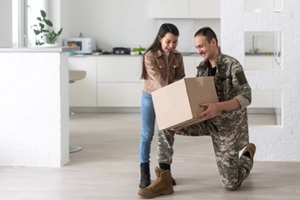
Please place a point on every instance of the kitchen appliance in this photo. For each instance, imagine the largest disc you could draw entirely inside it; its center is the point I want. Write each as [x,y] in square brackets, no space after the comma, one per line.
[86,45]
[121,50]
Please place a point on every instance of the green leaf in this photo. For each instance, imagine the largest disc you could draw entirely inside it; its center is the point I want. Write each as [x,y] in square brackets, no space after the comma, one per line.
[42,25]
[48,22]
[59,32]
[43,13]
[39,19]
[37,32]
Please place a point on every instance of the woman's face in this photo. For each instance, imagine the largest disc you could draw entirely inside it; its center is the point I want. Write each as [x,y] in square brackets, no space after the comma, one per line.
[168,42]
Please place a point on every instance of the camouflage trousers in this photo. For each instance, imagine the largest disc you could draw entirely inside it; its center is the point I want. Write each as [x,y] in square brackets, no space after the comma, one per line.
[227,145]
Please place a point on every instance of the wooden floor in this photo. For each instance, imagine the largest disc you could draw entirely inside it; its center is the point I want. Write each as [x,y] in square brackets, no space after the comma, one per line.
[108,168]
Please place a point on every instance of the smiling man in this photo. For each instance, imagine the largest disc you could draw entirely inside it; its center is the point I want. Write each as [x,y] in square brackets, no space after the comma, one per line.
[228,130]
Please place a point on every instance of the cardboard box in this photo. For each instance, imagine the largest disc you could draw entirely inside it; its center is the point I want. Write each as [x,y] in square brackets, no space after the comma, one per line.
[178,103]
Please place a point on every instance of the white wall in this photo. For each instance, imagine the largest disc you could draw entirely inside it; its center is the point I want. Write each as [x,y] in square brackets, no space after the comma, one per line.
[125,23]
[117,23]
[6,23]
[65,14]
[274,143]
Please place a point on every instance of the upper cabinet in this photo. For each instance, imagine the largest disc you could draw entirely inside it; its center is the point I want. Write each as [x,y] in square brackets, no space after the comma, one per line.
[168,8]
[184,9]
[204,9]
[263,6]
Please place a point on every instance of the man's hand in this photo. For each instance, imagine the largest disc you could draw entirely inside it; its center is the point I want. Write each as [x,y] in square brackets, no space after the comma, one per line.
[210,111]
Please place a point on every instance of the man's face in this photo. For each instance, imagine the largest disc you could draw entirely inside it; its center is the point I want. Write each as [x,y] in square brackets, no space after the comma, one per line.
[204,48]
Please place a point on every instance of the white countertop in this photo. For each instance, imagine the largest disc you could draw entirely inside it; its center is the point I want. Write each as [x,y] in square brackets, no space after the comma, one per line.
[120,55]
[39,49]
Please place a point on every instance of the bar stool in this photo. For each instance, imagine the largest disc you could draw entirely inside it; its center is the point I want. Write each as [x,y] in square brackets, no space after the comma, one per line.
[75,75]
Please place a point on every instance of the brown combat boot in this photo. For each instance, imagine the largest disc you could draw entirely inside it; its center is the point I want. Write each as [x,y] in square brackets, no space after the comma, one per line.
[161,186]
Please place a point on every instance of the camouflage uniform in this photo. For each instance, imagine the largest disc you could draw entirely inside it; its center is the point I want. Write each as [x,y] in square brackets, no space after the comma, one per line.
[229,130]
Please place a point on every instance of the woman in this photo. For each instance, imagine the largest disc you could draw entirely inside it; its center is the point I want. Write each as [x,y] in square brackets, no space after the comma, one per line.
[162,65]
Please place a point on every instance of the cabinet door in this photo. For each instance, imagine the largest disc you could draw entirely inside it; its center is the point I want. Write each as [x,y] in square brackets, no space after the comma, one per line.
[83,92]
[118,80]
[197,60]
[189,66]
[259,5]
[258,62]
[168,8]
[119,94]
[204,9]
[119,68]
[262,99]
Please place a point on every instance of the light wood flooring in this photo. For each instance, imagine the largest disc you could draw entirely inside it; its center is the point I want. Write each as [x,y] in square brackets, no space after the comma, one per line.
[108,168]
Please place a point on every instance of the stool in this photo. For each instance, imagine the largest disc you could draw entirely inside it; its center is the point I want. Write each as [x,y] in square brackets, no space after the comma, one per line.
[75,75]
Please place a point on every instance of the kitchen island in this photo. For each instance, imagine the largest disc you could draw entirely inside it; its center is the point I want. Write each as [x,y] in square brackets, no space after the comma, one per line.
[34,104]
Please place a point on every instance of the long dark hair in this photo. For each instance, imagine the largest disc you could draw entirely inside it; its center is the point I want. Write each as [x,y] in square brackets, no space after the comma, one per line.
[156,45]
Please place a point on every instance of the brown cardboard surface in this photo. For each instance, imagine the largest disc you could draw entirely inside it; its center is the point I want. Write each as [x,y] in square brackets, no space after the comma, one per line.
[178,103]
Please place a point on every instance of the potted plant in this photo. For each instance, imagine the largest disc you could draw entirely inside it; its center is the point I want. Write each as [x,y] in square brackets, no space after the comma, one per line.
[140,50]
[44,30]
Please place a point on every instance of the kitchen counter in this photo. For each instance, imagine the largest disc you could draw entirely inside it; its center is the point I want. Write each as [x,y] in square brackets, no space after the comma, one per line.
[262,54]
[39,49]
[126,55]
[35,104]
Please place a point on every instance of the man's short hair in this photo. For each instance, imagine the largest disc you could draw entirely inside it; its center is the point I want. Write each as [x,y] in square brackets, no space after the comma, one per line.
[208,33]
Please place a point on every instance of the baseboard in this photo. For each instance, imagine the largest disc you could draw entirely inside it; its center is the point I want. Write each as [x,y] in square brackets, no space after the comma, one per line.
[105,109]
[138,110]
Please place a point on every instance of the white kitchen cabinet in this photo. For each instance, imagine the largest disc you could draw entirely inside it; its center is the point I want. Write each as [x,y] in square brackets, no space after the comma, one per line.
[197,60]
[263,99]
[168,8]
[184,9]
[119,68]
[118,81]
[113,81]
[204,9]
[263,6]
[119,94]
[83,92]
[258,62]
[190,64]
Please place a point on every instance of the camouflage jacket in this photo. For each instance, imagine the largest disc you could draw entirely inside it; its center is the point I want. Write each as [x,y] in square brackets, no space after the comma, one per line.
[230,83]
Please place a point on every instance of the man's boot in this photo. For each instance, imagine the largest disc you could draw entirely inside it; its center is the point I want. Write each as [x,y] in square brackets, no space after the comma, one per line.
[161,186]
[145,175]
[165,167]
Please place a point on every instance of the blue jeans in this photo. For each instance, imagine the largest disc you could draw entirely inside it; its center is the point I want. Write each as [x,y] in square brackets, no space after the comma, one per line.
[148,123]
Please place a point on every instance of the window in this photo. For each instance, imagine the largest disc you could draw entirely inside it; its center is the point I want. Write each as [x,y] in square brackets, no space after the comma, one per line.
[24,16]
